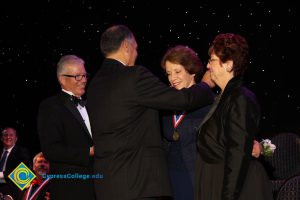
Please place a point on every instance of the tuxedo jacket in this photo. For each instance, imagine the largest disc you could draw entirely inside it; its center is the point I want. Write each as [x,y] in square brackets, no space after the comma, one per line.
[65,142]
[17,155]
[123,105]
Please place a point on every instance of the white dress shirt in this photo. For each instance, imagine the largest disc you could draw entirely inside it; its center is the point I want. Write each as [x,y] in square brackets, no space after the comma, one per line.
[83,112]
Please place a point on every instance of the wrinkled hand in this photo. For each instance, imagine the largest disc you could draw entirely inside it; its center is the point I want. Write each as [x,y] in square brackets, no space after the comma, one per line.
[92,151]
[257,148]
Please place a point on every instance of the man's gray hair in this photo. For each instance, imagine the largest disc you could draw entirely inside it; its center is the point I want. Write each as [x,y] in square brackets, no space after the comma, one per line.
[37,156]
[67,60]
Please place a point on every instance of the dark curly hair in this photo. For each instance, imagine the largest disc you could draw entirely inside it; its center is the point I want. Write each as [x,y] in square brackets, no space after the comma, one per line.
[229,46]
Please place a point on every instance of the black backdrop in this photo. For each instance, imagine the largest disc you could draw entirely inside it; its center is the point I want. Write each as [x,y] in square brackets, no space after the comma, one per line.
[34,35]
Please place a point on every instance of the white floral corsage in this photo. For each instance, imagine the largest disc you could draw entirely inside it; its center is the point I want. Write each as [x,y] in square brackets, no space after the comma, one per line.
[267,147]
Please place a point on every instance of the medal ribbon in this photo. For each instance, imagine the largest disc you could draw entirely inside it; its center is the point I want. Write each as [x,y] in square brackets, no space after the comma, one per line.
[30,197]
[177,119]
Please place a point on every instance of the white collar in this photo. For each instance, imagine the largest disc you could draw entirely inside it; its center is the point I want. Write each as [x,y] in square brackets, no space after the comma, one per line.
[9,150]
[68,92]
[121,62]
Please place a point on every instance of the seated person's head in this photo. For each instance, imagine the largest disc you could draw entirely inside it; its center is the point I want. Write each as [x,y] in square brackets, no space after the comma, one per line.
[9,137]
[41,166]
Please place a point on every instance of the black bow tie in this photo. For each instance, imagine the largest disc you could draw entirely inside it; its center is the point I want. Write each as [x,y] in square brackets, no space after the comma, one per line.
[77,101]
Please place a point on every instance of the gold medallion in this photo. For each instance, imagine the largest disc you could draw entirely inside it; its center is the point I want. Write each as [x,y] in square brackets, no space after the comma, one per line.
[176,136]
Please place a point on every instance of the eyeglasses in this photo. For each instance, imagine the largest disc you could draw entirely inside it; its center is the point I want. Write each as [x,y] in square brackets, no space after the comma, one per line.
[77,77]
[212,59]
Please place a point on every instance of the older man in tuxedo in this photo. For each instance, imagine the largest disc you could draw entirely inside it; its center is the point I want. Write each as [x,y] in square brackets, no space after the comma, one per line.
[65,132]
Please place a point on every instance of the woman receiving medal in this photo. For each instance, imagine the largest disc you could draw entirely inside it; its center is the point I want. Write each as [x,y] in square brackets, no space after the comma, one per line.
[183,69]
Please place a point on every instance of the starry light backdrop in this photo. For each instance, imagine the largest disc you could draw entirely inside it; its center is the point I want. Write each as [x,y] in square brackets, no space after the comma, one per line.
[35,35]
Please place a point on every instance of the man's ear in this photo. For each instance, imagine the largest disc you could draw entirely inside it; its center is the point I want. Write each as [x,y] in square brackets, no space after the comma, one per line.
[124,45]
[61,80]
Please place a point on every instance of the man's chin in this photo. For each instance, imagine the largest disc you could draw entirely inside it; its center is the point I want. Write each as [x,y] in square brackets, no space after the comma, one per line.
[9,144]
[79,94]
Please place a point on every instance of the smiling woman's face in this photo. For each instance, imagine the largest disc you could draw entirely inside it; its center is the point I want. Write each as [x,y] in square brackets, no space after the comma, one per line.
[178,77]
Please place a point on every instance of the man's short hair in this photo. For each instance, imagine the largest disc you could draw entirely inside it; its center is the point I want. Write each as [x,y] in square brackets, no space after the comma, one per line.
[38,156]
[67,60]
[5,129]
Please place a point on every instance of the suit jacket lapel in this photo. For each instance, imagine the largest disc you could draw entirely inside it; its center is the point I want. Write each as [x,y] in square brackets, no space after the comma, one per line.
[72,108]
[11,155]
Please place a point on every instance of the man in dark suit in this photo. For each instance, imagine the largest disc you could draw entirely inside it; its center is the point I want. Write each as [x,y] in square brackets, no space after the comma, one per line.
[11,155]
[123,102]
[65,133]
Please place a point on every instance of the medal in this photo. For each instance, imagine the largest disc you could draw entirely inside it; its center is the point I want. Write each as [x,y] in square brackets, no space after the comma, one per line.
[176,136]
[176,120]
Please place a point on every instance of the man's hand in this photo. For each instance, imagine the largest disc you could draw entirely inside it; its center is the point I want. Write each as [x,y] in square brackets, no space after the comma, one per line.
[92,151]
[207,79]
